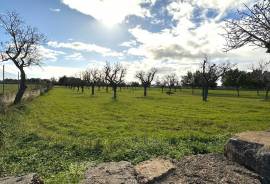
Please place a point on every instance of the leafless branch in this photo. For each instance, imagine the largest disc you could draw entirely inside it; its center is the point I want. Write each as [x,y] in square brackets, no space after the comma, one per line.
[251,27]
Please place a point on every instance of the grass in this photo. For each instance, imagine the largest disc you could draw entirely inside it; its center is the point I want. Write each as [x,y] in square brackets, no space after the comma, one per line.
[59,134]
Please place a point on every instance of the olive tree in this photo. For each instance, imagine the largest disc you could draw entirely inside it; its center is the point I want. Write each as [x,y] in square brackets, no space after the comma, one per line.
[21,47]
[260,77]
[267,84]
[189,81]
[234,78]
[146,78]
[114,74]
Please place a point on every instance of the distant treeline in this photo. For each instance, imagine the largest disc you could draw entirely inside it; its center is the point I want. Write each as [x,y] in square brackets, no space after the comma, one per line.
[257,79]
[233,78]
[29,81]
[77,82]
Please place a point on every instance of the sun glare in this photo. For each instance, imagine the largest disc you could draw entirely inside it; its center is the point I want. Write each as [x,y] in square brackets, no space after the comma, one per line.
[108,23]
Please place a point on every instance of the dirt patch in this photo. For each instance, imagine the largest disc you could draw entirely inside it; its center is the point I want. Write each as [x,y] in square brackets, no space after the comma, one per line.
[25,179]
[209,169]
[111,173]
[198,169]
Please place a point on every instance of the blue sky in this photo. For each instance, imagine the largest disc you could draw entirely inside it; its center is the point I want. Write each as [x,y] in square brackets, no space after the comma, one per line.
[171,35]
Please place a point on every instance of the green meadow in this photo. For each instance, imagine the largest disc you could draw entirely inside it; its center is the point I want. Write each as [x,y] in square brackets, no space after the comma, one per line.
[62,132]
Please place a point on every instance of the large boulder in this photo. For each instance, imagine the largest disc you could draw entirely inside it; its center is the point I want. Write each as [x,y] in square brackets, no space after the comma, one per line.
[251,149]
[152,170]
[25,179]
[111,173]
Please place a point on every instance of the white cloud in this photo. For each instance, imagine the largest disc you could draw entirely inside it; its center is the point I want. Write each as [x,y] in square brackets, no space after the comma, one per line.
[49,54]
[109,12]
[177,49]
[130,43]
[47,72]
[74,57]
[80,46]
[182,47]
[182,8]
[55,10]
[222,6]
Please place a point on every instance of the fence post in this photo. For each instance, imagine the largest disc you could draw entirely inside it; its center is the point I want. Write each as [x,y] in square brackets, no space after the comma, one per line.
[3,79]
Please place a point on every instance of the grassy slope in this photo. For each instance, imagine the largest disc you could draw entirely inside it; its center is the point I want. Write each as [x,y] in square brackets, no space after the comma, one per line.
[59,133]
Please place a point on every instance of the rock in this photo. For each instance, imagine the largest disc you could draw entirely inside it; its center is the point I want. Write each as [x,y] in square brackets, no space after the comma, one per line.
[152,170]
[111,173]
[251,149]
[209,169]
[25,179]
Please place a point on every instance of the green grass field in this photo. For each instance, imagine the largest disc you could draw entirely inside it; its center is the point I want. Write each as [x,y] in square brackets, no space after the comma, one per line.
[58,134]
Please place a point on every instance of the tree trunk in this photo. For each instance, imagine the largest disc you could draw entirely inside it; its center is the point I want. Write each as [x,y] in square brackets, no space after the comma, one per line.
[82,89]
[258,92]
[22,87]
[107,88]
[237,89]
[205,93]
[114,92]
[145,91]
[162,89]
[192,89]
[93,89]
[267,93]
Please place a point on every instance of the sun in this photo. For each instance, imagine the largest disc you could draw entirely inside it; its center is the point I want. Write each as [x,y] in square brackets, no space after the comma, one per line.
[110,19]
[109,23]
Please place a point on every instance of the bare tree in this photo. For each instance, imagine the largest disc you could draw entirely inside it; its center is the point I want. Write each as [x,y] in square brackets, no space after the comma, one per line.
[100,79]
[114,74]
[107,84]
[22,46]
[211,72]
[91,76]
[250,28]
[163,84]
[146,78]
[80,81]
[171,80]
